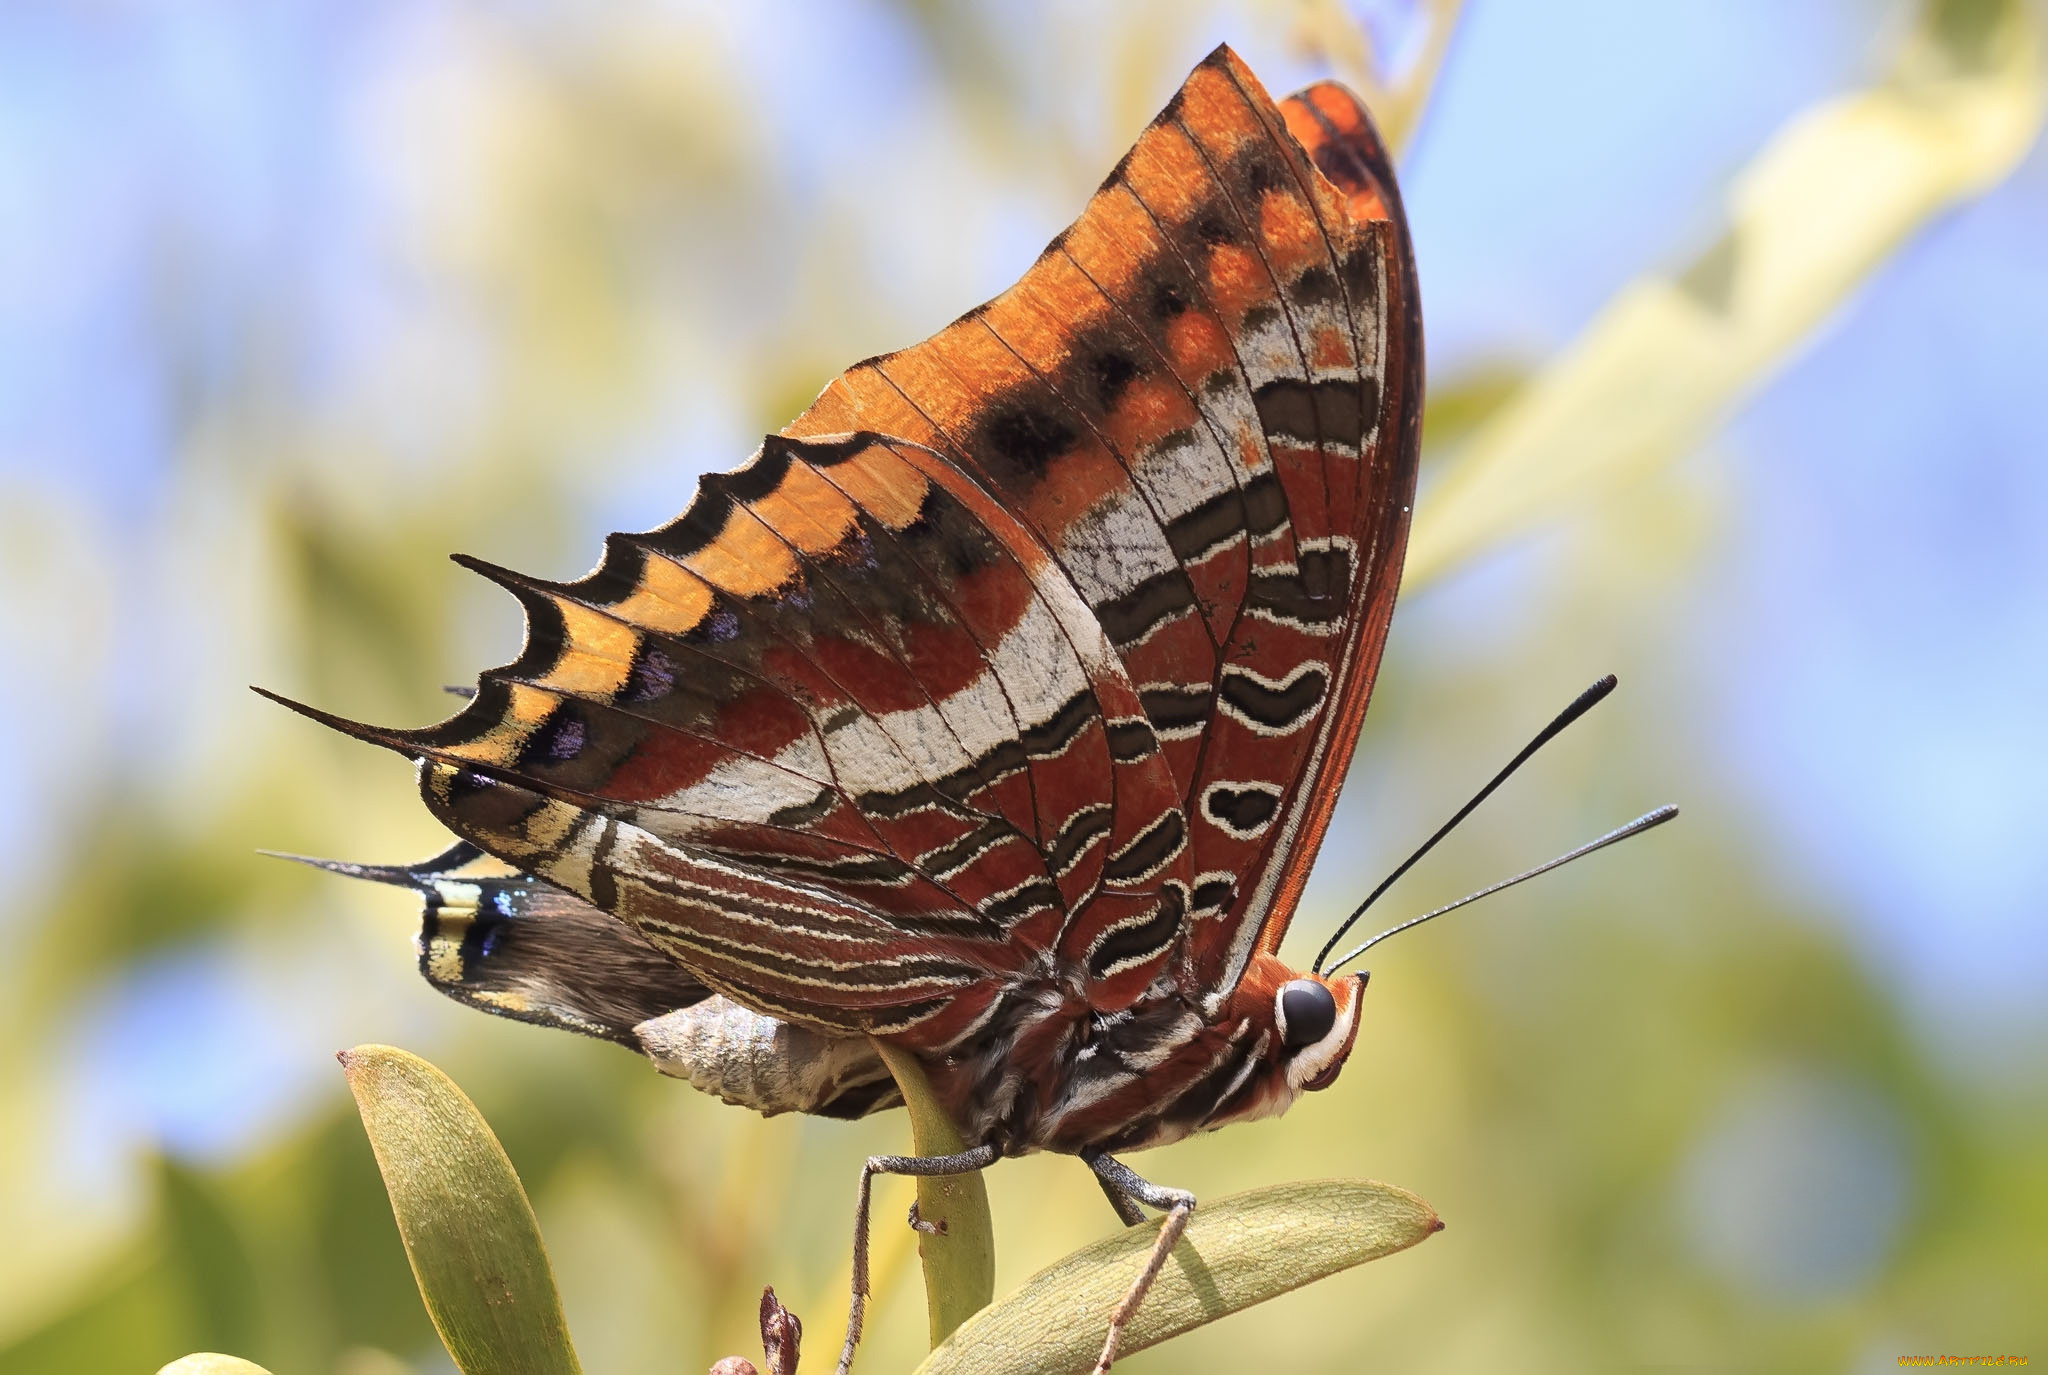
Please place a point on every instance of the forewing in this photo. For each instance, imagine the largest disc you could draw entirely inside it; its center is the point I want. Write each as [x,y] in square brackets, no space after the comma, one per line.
[1201,401]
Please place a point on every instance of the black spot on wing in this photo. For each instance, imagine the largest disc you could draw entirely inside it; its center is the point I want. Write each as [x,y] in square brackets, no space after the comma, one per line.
[1176,709]
[1111,371]
[1315,286]
[1131,740]
[557,740]
[1244,809]
[798,815]
[1051,736]
[1167,298]
[652,677]
[1278,709]
[1149,851]
[1336,410]
[1141,941]
[1286,596]
[1037,896]
[1076,834]
[1217,520]
[1130,617]
[1026,436]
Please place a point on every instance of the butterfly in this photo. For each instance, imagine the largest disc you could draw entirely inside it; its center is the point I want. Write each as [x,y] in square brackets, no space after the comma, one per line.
[994,709]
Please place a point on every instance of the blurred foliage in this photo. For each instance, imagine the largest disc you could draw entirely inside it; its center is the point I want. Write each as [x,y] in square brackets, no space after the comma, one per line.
[605,275]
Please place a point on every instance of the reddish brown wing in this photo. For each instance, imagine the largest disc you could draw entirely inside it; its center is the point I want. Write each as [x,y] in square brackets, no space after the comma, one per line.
[840,744]
[883,726]
[1202,399]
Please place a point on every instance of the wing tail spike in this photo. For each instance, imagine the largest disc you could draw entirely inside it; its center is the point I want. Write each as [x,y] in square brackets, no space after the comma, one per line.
[417,875]
[396,740]
[511,579]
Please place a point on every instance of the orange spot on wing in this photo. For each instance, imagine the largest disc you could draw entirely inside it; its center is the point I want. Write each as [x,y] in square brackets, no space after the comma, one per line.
[886,487]
[669,599]
[1199,345]
[599,654]
[1291,236]
[747,559]
[807,511]
[1149,409]
[1329,349]
[1214,111]
[1237,280]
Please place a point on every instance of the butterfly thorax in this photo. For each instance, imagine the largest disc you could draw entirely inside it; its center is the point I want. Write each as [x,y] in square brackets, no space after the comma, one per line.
[1052,1073]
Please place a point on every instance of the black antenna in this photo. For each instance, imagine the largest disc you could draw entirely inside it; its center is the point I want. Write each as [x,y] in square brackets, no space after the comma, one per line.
[1636,827]
[1581,704]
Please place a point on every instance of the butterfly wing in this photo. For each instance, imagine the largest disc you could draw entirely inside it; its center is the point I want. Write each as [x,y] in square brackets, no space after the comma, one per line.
[846,747]
[1017,650]
[1204,401]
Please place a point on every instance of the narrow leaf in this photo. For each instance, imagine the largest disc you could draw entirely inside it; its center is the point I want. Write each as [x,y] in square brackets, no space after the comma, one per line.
[960,1264]
[212,1363]
[468,1229]
[1238,1251]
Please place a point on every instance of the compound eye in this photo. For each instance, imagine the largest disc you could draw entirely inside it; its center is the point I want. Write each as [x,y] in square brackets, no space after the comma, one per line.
[1308,1011]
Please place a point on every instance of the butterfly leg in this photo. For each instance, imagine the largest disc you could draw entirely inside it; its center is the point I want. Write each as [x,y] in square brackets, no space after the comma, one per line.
[1127,1210]
[1119,1179]
[922,1166]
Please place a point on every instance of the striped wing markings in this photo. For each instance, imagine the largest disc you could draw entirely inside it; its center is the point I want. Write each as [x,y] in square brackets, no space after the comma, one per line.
[1172,175]
[873,620]
[890,749]
[530,720]
[844,579]
[1255,252]
[594,732]
[1273,691]
[792,949]
[1143,789]
[1119,248]
[1227,194]
[676,761]
[1379,281]
[1028,658]
[1292,213]
[1106,530]
[1055,324]
[1123,934]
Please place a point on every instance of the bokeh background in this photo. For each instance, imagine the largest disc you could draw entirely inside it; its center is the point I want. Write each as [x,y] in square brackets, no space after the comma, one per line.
[1736,349]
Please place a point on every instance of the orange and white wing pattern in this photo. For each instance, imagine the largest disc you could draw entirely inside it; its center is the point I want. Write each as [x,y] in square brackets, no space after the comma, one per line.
[1204,401]
[1028,658]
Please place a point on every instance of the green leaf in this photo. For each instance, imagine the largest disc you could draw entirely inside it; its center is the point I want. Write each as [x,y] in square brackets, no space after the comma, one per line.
[212,1363]
[468,1229]
[960,1265]
[1238,1251]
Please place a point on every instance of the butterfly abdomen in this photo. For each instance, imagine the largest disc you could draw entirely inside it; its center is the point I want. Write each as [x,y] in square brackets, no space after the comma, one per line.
[767,1064]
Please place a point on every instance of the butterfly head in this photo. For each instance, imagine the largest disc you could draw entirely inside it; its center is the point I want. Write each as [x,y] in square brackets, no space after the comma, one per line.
[1316,1022]
[1298,1028]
